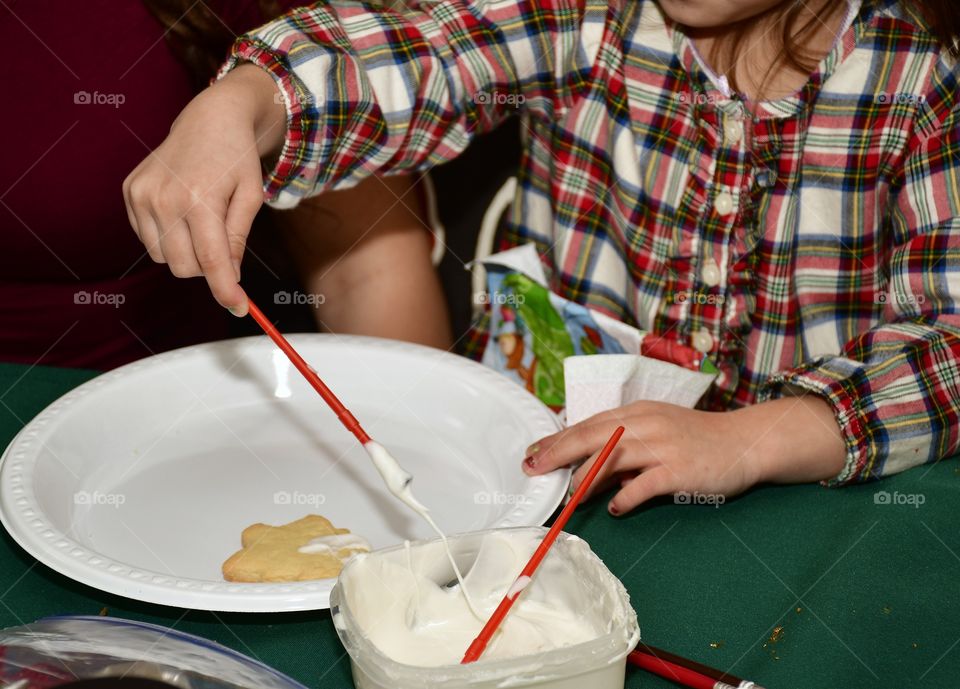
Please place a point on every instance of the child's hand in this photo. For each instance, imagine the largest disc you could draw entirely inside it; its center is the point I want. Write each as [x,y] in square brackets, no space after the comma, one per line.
[192,201]
[667,449]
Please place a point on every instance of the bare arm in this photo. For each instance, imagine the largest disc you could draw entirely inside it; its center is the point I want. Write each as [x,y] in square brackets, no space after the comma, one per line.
[367,251]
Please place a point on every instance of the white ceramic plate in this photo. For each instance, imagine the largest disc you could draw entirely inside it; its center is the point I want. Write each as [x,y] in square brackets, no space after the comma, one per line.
[140,481]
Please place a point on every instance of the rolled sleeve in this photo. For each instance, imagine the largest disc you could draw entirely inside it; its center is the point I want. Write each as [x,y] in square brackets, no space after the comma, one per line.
[284,184]
[895,388]
[379,91]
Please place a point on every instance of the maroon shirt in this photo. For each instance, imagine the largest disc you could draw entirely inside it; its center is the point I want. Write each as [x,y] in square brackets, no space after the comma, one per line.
[96,87]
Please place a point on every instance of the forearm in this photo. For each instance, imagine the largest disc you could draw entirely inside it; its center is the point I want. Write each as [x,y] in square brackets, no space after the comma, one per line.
[367,251]
[251,95]
[791,440]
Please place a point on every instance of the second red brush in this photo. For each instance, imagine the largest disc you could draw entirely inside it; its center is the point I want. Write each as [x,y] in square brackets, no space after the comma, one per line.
[483,638]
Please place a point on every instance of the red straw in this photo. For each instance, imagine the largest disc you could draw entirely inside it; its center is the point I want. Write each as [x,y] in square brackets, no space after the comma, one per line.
[483,638]
[346,418]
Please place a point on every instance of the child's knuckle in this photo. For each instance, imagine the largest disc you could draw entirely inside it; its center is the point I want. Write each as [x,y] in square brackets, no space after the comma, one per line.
[181,267]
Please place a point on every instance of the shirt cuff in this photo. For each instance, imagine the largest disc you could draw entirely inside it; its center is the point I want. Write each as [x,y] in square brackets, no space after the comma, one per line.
[830,378]
[286,184]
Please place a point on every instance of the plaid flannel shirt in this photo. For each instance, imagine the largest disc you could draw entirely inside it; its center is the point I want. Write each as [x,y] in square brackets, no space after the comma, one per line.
[811,245]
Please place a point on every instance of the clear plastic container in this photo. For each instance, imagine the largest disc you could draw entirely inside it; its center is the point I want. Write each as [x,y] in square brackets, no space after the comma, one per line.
[598,664]
[56,650]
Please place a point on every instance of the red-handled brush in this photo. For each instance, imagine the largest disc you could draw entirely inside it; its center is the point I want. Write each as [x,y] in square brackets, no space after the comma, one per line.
[396,478]
[689,673]
[483,638]
[346,418]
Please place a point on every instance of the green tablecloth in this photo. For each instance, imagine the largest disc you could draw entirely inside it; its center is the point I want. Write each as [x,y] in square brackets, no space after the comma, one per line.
[862,593]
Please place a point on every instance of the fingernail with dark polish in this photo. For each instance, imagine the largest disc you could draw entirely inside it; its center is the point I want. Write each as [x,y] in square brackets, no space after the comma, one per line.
[530,463]
[613,510]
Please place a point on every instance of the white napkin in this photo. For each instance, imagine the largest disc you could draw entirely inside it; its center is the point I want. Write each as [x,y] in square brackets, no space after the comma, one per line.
[601,382]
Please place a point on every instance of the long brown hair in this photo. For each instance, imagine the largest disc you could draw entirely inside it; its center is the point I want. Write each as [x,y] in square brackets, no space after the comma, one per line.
[200,38]
[940,18]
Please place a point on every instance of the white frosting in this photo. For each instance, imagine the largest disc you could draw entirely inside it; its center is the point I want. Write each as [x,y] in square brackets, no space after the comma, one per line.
[518,586]
[397,479]
[334,543]
[401,602]
[398,482]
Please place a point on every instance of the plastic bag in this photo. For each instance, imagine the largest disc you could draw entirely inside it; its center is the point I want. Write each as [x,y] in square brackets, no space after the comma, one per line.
[57,650]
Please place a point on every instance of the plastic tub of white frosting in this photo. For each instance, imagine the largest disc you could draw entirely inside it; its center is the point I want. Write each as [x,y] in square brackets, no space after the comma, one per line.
[405,623]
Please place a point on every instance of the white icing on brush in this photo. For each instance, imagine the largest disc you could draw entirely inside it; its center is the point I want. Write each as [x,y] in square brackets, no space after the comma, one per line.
[398,482]
[401,603]
[518,586]
[397,479]
[334,543]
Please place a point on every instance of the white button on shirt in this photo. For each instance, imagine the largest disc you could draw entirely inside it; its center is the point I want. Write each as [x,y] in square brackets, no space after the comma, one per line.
[710,273]
[723,204]
[732,131]
[702,340]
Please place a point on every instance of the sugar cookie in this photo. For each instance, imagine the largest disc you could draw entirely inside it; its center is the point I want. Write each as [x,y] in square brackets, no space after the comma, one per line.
[309,548]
